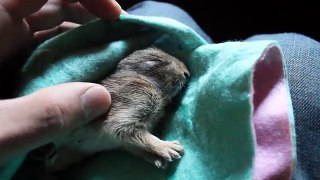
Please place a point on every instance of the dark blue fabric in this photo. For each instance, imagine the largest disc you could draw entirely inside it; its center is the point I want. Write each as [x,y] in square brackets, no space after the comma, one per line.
[153,8]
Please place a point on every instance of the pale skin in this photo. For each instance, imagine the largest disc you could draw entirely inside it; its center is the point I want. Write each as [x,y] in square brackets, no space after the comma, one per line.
[33,120]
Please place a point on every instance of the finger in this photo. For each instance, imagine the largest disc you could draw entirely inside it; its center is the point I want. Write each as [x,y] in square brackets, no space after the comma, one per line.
[55,12]
[41,36]
[22,8]
[106,9]
[36,119]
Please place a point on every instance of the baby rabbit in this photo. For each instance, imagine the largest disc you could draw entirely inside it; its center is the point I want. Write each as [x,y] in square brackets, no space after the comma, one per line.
[141,86]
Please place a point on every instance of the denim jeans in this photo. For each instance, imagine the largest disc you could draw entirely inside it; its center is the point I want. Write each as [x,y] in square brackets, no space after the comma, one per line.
[302,56]
[153,8]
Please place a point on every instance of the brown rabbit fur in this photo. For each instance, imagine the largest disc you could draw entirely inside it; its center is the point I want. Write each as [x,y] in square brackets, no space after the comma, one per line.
[141,86]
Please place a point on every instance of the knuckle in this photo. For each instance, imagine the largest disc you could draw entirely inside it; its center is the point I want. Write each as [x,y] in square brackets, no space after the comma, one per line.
[53,117]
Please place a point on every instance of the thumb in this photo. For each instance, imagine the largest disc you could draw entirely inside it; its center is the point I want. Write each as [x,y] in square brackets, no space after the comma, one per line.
[36,119]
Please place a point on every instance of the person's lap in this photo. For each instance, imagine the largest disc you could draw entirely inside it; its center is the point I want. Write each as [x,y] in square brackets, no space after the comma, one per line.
[153,8]
[302,57]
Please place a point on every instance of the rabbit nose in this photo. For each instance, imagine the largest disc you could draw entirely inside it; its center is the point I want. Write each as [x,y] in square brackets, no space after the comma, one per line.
[186,74]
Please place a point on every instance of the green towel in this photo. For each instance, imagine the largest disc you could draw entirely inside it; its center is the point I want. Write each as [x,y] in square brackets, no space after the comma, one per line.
[212,119]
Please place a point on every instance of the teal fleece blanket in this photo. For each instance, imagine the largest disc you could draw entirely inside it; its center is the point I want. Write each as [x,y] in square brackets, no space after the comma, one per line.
[213,118]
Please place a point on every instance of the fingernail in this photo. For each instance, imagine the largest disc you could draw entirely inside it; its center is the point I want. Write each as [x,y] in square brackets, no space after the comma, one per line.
[157,163]
[95,102]
[124,12]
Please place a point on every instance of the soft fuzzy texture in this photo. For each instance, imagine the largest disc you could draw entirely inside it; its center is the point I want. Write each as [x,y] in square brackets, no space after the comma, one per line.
[270,118]
[216,119]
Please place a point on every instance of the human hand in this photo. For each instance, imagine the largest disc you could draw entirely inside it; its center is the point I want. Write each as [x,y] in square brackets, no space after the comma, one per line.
[34,120]
[25,21]
[31,121]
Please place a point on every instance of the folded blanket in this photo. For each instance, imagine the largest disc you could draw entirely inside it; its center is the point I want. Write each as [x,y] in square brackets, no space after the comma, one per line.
[235,118]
